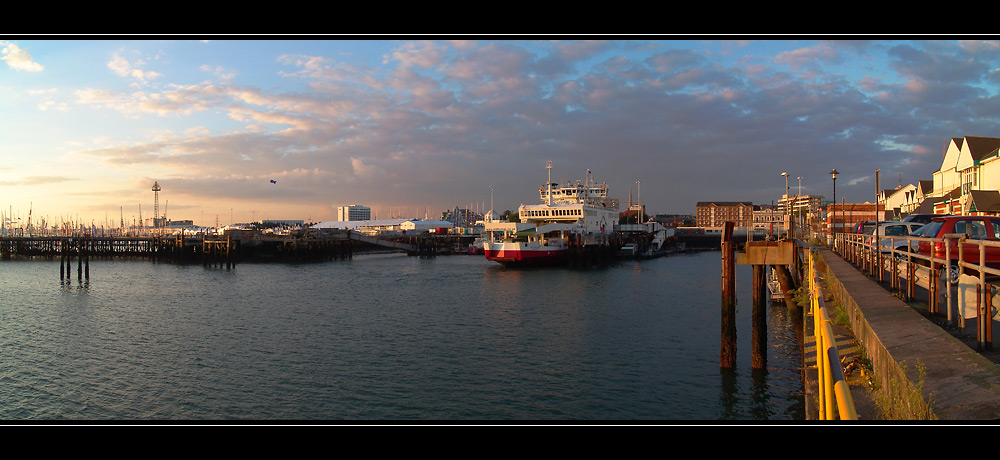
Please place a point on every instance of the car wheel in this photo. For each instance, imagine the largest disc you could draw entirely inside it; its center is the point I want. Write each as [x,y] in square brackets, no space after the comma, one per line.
[954,272]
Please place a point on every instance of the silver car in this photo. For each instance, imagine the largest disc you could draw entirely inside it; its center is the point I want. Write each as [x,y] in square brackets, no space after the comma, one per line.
[900,229]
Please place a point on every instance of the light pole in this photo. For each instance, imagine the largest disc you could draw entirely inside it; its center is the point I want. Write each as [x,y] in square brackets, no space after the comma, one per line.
[788,214]
[833,219]
[798,204]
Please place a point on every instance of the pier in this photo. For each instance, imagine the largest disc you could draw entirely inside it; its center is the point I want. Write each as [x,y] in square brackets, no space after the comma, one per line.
[924,339]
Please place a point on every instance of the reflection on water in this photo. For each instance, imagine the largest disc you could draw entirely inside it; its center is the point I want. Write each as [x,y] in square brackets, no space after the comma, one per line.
[386,337]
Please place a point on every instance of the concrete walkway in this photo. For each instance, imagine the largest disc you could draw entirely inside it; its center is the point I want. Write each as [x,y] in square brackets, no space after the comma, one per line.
[910,355]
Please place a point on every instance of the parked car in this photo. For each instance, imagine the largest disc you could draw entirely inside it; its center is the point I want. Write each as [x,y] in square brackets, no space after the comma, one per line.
[922,232]
[890,229]
[865,228]
[976,227]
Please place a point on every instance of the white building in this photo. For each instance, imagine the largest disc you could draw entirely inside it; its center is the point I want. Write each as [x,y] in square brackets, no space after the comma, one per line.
[893,201]
[969,164]
[353,212]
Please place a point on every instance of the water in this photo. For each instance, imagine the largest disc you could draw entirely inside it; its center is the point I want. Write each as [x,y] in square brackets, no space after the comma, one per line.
[385,337]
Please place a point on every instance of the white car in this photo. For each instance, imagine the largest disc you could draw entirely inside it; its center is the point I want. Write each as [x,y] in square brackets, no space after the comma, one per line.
[890,229]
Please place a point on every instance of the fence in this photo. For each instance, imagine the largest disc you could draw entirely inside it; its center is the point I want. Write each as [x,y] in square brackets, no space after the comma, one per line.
[938,265]
[834,392]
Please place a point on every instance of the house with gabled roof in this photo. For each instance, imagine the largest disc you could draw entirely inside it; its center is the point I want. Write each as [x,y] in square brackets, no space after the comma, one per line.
[892,201]
[969,163]
[912,199]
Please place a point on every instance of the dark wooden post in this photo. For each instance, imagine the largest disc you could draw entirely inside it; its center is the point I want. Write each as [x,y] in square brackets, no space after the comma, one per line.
[759,331]
[727,353]
[62,259]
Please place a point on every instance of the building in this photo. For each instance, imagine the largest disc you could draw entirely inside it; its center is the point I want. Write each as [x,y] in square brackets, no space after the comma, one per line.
[841,218]
[913,199]
[969,164]
[769,218]
[717,213]
[353,212]
[893,200]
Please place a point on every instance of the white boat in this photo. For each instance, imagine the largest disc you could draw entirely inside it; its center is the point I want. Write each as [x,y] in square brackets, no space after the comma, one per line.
[774,286]
[570,215]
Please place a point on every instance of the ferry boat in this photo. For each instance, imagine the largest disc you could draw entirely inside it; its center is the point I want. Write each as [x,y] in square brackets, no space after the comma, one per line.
[569,215]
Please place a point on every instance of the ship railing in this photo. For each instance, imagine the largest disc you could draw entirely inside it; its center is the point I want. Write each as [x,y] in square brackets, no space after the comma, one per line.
[835,399]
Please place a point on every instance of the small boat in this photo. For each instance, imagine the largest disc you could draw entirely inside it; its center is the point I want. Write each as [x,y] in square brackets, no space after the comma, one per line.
[774,286]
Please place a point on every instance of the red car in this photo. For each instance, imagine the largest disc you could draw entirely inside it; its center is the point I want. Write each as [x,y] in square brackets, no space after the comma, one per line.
[976,227]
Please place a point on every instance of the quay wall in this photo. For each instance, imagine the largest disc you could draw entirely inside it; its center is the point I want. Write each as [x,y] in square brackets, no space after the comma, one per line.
[926,372]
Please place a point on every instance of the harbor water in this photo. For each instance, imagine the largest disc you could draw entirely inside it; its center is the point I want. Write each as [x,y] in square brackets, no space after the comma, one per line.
[386,338]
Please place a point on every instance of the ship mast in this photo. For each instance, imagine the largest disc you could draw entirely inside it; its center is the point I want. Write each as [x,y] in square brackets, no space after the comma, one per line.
[548,166]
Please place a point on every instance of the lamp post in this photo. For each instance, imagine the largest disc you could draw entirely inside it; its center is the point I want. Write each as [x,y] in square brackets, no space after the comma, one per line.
[788,214]
[798,205]
[833,219]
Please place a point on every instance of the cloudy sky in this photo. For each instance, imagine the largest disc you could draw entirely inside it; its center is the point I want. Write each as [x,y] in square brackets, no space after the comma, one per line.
[411,127]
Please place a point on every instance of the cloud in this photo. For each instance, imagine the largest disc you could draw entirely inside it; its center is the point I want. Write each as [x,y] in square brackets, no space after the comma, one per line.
[18,59]
[435,121]
[123,68]
[38,180]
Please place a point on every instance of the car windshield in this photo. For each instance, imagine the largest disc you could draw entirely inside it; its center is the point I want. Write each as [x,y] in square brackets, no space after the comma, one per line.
[930,230]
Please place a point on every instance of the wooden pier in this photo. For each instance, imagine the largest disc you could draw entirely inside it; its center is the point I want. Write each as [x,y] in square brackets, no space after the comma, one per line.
[209,250]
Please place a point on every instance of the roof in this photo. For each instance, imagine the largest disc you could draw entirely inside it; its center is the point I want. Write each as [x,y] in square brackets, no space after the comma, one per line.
[984,201]
[981,147]
[355,224]
[724,203]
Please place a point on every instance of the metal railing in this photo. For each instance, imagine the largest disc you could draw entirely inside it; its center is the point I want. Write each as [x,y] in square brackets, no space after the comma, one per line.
[834,391]
[951,275]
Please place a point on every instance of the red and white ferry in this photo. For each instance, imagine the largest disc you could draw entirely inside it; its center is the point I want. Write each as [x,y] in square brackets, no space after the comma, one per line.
[570,215]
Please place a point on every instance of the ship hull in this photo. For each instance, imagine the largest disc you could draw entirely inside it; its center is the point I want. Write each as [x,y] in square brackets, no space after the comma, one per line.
[515,255]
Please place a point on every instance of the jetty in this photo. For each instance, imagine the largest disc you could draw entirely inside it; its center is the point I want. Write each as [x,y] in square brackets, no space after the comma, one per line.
[226,249]
[886,336]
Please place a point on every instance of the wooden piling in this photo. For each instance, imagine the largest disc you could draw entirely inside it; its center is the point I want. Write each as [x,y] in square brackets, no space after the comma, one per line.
[727,354]
[758,340]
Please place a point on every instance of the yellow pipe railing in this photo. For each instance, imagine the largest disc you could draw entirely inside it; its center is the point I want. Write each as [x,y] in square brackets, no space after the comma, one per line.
[834,392]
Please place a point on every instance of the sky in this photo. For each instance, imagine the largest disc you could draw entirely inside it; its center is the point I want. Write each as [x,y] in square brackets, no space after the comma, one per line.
[244,130]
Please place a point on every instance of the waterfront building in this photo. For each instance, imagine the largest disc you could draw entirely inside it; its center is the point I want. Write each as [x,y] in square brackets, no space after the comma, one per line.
[768,217]
[841,218]
[915,201]
[353,212]
[424,225]
[717,213]
[969,164]
[892,201]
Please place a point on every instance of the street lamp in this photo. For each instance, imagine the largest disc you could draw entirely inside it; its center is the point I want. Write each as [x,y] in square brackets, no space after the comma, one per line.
[833,219]
[788,215]
[798,204]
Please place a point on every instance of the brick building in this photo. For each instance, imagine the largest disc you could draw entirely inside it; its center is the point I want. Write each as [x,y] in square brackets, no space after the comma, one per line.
[716,213]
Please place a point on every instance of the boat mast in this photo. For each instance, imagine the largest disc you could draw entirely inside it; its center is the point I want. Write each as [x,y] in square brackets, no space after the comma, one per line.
[548,166]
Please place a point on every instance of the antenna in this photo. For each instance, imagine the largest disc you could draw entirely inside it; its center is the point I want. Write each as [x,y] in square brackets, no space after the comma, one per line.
[156,202]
